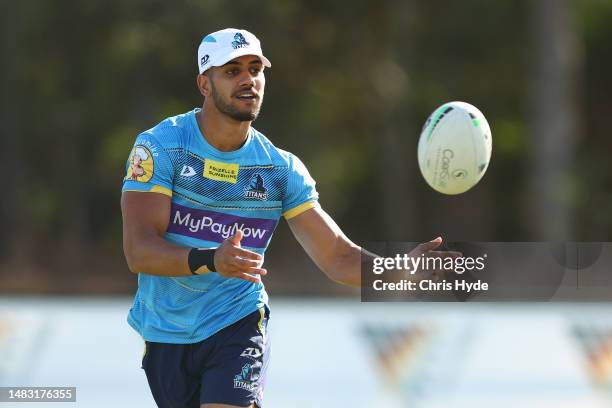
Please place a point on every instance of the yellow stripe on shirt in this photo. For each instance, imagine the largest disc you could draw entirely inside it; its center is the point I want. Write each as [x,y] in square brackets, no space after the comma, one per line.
[300,209]
[155,189]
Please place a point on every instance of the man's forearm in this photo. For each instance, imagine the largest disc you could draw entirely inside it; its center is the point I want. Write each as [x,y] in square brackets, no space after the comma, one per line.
[346,269]
[155,256]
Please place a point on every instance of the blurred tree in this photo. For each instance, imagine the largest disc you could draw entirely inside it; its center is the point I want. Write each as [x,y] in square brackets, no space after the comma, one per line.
[554,117]
[351,85]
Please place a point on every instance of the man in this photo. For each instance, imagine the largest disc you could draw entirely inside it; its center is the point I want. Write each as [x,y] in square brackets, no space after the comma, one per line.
[196,225]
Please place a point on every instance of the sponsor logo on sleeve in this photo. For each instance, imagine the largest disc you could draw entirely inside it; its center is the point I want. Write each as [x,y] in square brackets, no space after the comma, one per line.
[140,164]
[220,171]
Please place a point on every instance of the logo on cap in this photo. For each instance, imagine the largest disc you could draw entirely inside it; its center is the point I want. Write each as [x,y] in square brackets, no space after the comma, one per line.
[239,41]
[204,60]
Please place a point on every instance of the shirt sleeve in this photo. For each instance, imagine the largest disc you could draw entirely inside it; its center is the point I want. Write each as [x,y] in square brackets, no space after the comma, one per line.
[301,192]
[148,167]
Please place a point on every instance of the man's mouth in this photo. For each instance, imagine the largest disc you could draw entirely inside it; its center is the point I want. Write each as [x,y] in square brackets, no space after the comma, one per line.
[246,95]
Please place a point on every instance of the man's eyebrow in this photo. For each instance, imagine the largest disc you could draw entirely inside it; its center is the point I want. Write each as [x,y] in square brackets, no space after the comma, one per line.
[234,62]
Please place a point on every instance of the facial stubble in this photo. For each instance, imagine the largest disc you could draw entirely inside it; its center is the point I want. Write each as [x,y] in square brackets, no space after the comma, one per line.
[229,109]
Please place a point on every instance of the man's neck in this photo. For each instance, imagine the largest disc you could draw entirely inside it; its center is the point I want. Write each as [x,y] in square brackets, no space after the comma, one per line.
[222,132]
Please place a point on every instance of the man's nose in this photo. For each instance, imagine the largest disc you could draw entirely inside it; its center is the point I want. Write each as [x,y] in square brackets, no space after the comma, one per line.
[247,79]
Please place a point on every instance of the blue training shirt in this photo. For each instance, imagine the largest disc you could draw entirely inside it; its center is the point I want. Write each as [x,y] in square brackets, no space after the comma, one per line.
[213,193]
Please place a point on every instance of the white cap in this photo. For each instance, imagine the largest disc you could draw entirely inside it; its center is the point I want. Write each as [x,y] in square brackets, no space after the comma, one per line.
[222,46]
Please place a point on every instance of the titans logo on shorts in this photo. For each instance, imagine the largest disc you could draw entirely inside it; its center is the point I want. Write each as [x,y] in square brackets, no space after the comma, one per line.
[213,193]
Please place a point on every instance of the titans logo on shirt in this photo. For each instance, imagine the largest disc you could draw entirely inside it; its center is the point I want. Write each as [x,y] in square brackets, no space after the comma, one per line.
[256,188]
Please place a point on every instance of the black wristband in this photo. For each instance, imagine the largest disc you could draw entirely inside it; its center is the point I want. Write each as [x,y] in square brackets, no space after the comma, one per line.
[201,257]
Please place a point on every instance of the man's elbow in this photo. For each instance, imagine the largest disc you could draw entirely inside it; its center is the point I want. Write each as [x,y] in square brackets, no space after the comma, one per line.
[132,265]
[352,279]
[344,273]
[136,261]
[345,269]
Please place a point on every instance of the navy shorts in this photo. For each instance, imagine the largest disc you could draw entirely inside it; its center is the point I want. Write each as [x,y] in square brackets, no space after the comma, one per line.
[227,368]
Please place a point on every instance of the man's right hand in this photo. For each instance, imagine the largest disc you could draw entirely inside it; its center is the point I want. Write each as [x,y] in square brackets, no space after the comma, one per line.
[232,261]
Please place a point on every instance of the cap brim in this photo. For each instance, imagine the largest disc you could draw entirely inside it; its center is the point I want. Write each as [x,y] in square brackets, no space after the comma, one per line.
[240,53]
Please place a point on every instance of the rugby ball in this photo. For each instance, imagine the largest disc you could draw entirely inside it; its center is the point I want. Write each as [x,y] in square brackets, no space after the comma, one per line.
[454,148]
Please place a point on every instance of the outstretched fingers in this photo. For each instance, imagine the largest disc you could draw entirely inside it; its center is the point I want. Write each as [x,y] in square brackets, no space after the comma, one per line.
[246,254]
[233,261]
[444,254]
[430,245]
[250,278]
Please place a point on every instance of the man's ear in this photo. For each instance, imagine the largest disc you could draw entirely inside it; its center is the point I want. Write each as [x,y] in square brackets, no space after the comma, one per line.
[203,82]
